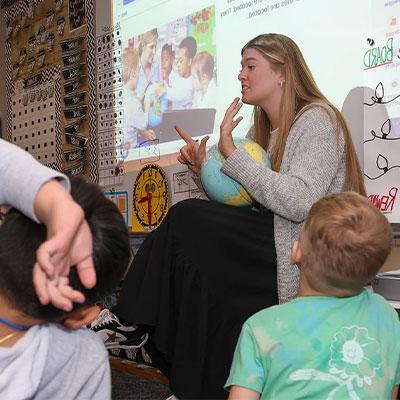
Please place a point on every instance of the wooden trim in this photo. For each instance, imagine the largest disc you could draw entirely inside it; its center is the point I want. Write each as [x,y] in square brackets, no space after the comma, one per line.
[140,370]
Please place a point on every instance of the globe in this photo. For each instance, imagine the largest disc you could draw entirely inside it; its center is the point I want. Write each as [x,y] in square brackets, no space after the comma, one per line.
[158,106]
[222,188]
[156,111]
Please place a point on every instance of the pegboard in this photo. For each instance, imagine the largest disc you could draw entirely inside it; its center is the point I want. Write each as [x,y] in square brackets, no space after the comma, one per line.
[35,120]
[110,112]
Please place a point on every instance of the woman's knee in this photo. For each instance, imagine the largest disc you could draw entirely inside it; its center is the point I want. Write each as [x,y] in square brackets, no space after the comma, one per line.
[185,211]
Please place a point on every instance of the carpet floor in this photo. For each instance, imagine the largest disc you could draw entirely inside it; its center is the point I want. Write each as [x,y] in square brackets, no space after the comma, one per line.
[126,386]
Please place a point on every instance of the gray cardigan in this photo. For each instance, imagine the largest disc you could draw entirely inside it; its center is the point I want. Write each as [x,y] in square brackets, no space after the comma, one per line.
[313,166]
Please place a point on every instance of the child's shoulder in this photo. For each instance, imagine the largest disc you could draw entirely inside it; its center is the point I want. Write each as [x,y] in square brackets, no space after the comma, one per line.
[269,314]
[78,342]
[380,302]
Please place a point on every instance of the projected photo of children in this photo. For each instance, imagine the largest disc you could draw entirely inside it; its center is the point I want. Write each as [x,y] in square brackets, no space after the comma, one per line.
[170,78]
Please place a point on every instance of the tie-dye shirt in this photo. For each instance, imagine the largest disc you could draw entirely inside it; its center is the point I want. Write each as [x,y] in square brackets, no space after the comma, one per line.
[320,348]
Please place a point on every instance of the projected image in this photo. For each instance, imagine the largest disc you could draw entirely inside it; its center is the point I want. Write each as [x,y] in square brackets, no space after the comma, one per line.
[170,77]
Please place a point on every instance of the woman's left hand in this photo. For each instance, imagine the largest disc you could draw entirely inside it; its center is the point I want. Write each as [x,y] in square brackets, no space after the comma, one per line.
[229,123]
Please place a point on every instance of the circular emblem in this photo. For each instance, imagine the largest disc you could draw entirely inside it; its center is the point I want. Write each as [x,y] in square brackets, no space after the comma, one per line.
[150,196]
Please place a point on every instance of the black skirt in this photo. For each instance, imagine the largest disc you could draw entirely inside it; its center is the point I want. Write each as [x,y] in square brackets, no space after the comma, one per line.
[194,281]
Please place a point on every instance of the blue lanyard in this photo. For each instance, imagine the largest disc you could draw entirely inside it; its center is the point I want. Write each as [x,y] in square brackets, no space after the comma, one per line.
[14,326]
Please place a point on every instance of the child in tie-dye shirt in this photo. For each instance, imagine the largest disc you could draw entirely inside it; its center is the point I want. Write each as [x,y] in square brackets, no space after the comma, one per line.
[336,340]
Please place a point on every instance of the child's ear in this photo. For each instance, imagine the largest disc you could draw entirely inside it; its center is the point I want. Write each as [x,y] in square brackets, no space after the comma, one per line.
[296,253]
[81,317]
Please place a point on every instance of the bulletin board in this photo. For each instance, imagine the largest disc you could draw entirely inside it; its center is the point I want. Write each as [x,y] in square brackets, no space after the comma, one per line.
[51,84]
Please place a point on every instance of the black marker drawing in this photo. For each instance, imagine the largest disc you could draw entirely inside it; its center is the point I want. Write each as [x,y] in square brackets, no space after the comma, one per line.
[379,96]
[385,129]
[382,164]
[181,182]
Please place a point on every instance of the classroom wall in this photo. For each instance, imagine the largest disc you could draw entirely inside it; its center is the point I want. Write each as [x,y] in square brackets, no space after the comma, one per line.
[181,185]
[3,97]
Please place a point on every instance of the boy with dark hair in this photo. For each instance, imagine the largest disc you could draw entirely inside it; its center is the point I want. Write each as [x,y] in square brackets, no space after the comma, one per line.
[337,340]
[43,195]
[40,358]
[180,88]
[187,50]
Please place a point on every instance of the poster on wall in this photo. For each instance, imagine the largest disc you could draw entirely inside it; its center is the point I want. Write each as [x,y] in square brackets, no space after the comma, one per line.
[76,14]
[381,109]
[50,83]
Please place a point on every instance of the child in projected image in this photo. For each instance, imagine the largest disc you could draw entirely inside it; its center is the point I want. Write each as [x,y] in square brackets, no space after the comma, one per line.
[205,94]
[167,60]
[336,340]
[180,89]
[135,114]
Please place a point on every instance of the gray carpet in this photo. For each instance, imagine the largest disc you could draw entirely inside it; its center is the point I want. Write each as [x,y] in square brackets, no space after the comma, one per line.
[131,387]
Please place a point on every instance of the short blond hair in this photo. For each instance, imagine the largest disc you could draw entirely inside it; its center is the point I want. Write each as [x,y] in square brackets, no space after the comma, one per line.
[345,241]
[203,62]
[130,63]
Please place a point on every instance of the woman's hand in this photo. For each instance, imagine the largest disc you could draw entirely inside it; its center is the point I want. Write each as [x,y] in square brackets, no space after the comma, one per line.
[229,123]
[193,153]
[148,134]
[160,89]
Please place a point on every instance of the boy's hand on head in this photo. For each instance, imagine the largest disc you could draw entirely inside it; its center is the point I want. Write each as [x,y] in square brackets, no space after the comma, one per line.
[56,291]
[65,248]
[69,243]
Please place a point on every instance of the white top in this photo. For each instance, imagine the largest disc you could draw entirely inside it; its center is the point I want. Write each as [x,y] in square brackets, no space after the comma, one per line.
[144,81]
[180,92]
[272,141]
[207,98]
[52,362]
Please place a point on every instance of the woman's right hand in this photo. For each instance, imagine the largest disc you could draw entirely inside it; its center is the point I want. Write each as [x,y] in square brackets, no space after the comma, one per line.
[193,153]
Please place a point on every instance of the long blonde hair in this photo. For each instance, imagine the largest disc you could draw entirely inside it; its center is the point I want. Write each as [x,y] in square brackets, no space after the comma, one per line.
[300,93]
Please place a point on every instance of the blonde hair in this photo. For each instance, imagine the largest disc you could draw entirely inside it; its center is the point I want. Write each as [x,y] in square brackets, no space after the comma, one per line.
[147,38]
[300,93]
[130,63]
[344,241]
[203,62]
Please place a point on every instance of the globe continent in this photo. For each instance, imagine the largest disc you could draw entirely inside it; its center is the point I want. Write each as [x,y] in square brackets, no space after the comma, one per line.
[221,187]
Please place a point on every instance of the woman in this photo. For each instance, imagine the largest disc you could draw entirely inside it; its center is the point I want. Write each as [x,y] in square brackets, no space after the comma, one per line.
[209,266]
[149,71]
